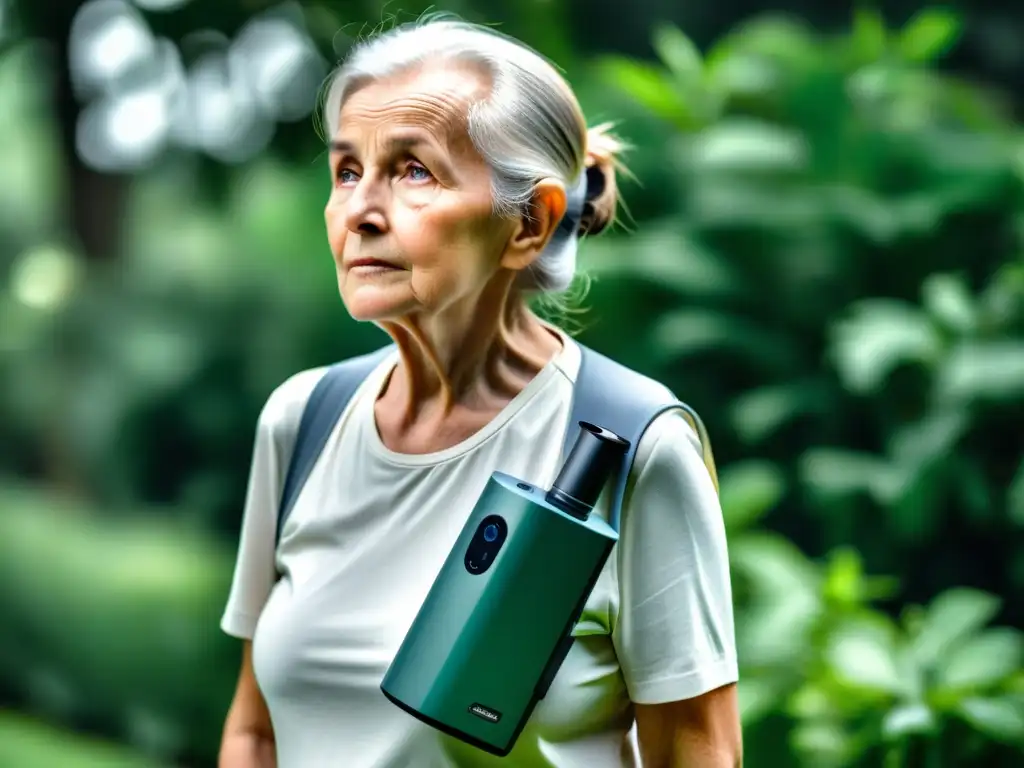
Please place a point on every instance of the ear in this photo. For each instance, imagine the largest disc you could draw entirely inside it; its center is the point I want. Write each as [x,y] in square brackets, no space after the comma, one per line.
[534,229]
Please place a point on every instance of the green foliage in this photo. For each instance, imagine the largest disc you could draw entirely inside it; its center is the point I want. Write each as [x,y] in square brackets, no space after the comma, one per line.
[826,261]
[856,686]
[111,621]
[28,744]
[840,283]
[844,257]
[928,35]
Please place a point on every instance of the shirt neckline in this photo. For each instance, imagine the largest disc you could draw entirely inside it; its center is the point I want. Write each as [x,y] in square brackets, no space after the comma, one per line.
[562,363]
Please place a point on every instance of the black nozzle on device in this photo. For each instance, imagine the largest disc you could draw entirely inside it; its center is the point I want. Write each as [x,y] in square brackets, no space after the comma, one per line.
[594,456]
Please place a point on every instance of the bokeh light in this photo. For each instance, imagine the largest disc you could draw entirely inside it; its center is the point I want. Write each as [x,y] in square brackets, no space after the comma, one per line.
[141,98]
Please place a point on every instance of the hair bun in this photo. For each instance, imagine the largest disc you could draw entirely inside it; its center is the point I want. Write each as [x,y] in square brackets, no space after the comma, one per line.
[603,150]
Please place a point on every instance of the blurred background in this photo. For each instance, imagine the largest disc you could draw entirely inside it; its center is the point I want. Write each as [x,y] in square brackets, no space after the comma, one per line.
[823,253]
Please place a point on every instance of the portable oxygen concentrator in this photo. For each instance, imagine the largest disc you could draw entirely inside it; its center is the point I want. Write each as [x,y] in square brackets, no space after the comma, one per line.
[497,622]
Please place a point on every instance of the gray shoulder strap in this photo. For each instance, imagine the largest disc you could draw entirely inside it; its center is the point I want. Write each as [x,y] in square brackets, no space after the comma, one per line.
[606,393]
[617,398]
[326,403]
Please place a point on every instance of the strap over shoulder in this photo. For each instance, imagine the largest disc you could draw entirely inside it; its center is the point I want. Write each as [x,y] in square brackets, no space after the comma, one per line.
[606,393]
[619,399]
[326,403]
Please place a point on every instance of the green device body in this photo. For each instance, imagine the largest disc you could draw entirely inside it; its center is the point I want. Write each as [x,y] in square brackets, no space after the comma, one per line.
[497,622]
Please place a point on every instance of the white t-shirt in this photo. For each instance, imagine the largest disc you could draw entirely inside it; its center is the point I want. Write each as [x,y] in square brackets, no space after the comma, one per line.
[371,529]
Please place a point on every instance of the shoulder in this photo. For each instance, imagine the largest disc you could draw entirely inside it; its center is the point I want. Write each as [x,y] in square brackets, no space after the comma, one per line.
[674,461]
[621,382]
[676,438]
[676,433]
[282,412]
[672,437]
[279,419]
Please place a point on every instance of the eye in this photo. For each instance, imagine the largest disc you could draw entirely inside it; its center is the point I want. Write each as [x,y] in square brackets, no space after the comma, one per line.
[346,176]
[416,172]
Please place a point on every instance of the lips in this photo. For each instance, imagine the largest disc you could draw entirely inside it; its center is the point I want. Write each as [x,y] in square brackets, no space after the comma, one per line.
[373,263]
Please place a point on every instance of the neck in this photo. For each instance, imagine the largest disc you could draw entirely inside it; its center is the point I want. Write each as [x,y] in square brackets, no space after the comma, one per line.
[470,357]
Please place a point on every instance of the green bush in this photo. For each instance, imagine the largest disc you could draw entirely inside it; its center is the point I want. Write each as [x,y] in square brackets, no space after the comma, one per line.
[840,284]
[841,681]
[28,744]
[826,261]
[839,287]
[111,622]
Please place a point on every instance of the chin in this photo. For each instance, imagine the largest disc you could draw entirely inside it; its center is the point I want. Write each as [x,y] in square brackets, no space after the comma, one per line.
[372,304]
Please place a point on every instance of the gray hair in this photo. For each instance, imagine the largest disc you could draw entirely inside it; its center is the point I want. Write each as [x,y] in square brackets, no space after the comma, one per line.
[529,127]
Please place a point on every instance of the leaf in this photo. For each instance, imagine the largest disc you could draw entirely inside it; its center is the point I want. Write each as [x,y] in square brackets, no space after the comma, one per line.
[947,299]
[732,74]
[749,146]
[821,742]
[757,699]
[838,472]
[749,490]
[683,60]
[860,209]
[999,718]
[774,627]
[759,413]
[908,720]
[863,656]
[809,702]
[730,202]
[877,336]
[1003,298]
[982,371]
[678,53]
[775,37]
[844,576]
[688,332]
[929,34]
[665,257]
[918,444]
[648,85]
[982,661]
[869,34]
[950,617]
[778,567]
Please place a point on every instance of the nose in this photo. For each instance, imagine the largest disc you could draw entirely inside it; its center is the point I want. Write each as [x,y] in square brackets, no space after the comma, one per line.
[366,210]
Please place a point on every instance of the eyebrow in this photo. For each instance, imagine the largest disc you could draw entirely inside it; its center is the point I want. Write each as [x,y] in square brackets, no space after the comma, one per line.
[395,142]
[404,143]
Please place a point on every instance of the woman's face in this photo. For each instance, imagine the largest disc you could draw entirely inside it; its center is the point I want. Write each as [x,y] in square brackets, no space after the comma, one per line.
[409,219]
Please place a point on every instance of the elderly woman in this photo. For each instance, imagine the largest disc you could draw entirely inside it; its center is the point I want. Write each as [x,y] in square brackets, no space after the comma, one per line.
[454,152]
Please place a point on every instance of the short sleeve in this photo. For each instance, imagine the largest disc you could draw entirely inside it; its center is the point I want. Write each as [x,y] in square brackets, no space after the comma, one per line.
[674,633]
[255,570]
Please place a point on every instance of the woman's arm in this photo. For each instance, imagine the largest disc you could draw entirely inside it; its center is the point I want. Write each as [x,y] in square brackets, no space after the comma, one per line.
[702,732]
[674,633]
[248,740]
